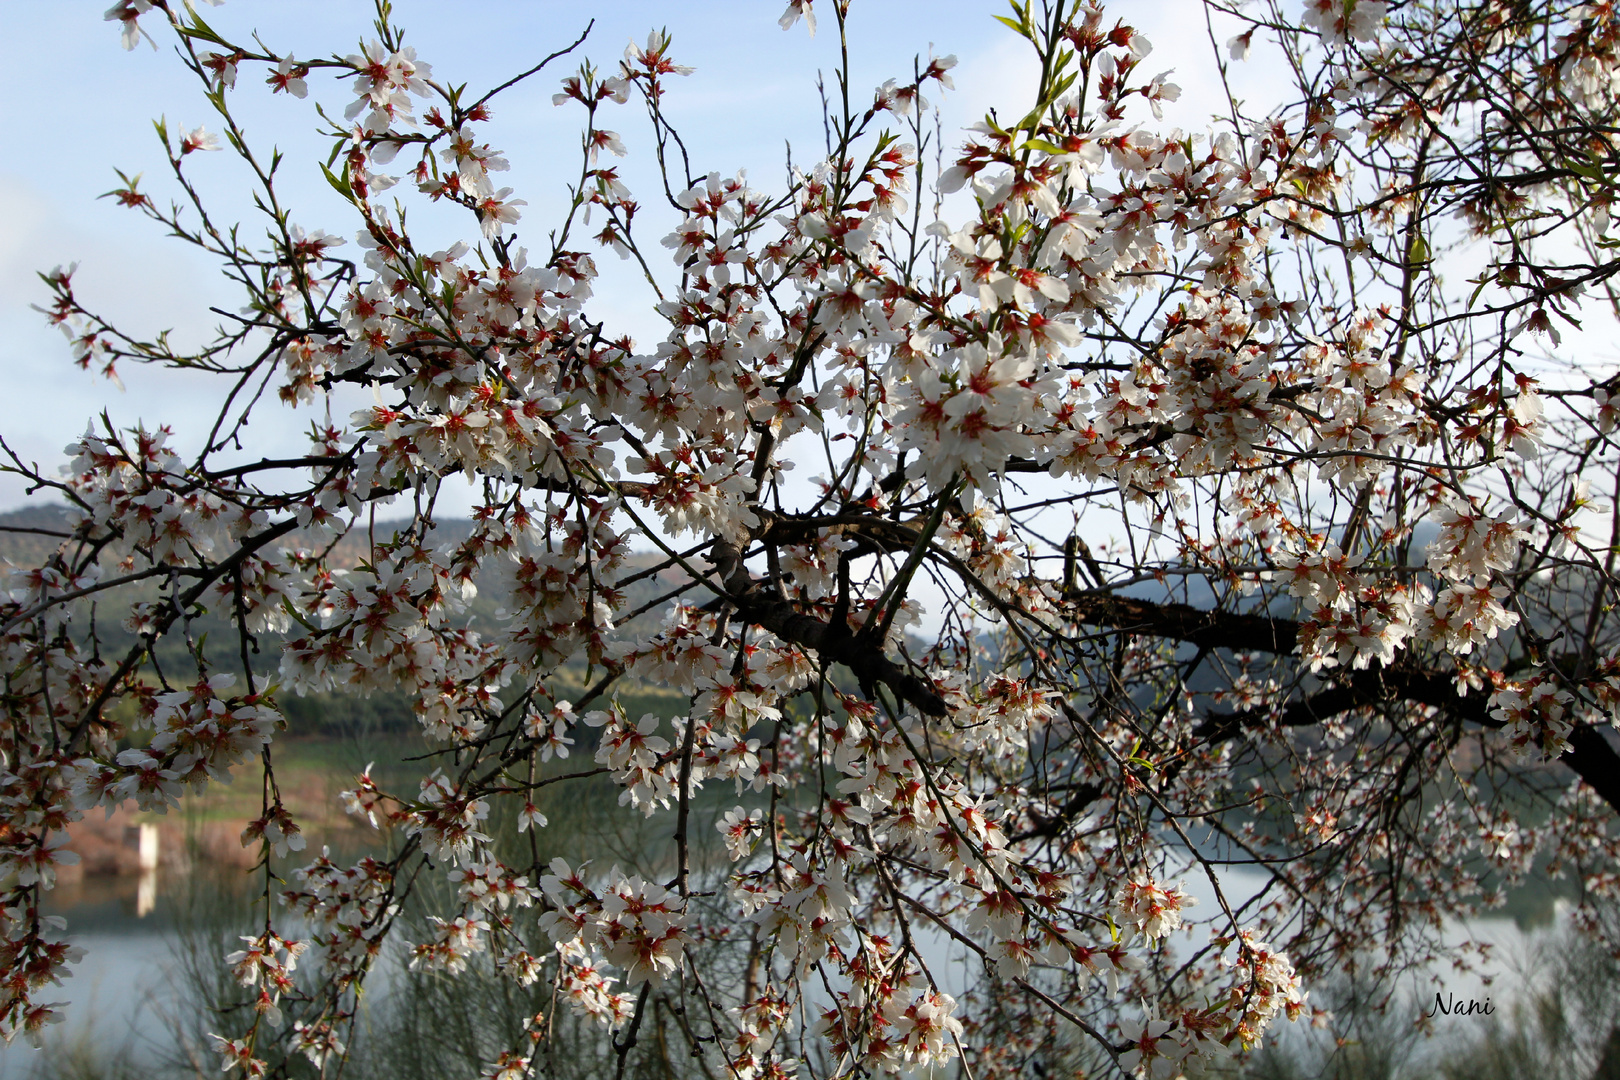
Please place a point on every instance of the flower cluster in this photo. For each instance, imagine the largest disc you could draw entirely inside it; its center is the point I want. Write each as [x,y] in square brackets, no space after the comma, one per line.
[1160,477]
[637,926]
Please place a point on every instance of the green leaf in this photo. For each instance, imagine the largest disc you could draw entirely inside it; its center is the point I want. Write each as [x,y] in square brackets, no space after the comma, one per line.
[287,606]
[1417,252]
[340,184]
[199,29]
[1032,120]
[1567,317]
[1591,172]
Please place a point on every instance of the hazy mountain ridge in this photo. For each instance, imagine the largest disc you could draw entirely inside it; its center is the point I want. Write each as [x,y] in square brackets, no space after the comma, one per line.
[30,535]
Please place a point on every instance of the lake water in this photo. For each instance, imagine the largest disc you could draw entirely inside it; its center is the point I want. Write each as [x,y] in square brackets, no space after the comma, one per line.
[125,999]
[119,999]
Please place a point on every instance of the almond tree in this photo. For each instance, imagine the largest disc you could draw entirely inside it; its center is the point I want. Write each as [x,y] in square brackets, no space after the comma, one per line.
[1186,501]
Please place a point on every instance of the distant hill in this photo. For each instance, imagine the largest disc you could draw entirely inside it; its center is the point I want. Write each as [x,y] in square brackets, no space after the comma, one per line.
[30,535]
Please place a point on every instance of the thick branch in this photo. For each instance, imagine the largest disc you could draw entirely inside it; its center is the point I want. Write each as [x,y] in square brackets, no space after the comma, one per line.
[1182,622]
[758,605]
[1590,756]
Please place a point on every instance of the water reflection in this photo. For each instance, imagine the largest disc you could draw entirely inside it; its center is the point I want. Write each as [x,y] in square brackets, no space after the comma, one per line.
[159,901]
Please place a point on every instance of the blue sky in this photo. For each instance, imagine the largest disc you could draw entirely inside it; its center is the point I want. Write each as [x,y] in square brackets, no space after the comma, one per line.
[83,106]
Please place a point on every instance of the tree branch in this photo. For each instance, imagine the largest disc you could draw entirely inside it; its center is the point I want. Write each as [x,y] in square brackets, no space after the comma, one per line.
[1590,755]
[761,606]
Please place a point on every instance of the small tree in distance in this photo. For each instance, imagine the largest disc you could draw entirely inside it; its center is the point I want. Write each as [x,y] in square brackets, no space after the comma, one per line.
[1186,501]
